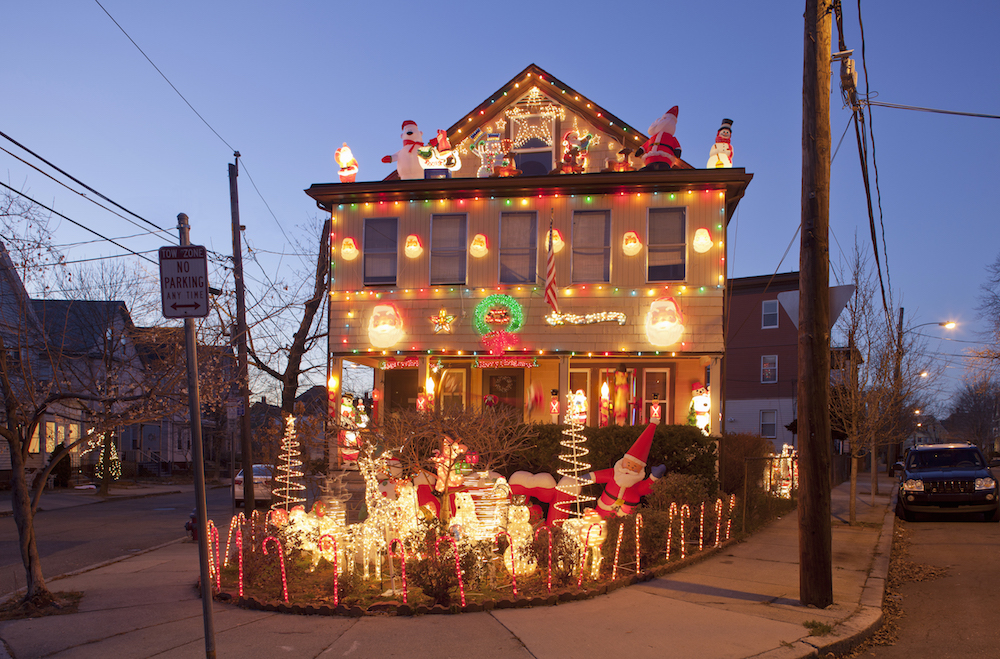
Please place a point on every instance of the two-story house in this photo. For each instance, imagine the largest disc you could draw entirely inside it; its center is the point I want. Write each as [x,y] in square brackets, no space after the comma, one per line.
[440,283]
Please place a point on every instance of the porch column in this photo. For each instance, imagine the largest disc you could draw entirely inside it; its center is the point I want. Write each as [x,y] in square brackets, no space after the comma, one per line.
[563,387]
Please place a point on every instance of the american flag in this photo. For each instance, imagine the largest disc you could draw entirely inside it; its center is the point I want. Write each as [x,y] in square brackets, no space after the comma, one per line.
[550,272]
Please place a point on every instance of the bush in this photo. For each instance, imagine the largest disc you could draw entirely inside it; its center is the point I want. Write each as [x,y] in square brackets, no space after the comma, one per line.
[680,489]
[683,449]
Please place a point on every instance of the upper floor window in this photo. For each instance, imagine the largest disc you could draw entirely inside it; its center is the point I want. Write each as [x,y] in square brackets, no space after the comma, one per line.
[448,249]
[591,246]
[769,369]
[518,247]
[769,314]
[380,251]
[666,244]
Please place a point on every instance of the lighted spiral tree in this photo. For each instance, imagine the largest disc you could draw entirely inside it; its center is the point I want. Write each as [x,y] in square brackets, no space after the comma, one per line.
[289,479]
[573,442]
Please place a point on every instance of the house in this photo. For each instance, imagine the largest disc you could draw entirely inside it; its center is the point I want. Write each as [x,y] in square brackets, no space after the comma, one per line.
[439,283]
[762,340]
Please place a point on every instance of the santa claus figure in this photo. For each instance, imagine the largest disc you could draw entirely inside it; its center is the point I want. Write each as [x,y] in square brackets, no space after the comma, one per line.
[721,154]
[348,165]
[664,322]
[662,150]
[407,159]
[626,482]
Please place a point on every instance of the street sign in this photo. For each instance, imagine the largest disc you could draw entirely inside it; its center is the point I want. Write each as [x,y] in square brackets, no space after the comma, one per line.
[184,281]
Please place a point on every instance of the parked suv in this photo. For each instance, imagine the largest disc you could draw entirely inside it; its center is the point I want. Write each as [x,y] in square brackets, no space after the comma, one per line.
[946,478]
[263,483]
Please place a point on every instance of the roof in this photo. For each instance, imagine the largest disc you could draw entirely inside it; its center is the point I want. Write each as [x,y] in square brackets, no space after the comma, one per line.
[80,326]
[15,306]
[731,180]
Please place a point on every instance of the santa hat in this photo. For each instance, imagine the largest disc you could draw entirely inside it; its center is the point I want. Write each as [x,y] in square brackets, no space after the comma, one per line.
[640,450]
[408,123]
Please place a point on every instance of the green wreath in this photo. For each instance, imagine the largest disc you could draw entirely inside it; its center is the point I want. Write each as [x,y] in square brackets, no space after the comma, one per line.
[498,300]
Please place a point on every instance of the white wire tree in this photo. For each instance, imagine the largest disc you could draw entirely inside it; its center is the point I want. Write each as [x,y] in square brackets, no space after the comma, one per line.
[289,486]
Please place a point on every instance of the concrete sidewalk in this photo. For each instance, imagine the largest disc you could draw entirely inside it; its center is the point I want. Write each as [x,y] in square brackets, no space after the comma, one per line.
[56,499]
[741,602]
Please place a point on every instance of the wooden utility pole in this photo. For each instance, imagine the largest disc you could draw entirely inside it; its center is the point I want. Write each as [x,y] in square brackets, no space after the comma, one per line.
[815,538]
[241,340]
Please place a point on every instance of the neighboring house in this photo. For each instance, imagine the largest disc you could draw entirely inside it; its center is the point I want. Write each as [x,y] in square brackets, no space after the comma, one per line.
[442,280]
[761,358]
[762,354]
[927,430]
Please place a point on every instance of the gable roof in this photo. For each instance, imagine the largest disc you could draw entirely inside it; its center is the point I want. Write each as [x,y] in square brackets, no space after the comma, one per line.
[78,326]
[17,317]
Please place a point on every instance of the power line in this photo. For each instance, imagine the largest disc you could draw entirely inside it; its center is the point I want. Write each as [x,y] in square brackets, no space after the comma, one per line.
[85,228]
[898,106]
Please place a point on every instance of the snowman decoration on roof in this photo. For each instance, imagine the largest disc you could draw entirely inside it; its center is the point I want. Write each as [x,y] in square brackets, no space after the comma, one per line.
[408,159]
[721,153]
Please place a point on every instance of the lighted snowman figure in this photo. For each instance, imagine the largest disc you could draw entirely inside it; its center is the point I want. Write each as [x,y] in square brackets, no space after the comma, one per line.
[385,328]
[701,404]
[721,153]
[521,534]
[664,322]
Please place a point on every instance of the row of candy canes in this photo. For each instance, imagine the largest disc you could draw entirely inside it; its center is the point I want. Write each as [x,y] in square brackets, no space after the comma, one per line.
[684,512]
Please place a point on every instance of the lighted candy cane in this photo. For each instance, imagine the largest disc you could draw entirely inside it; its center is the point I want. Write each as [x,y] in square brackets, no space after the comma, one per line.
[237,522]
[685,512]
[402,562]
[670,527]
[458,566]
[336,565]
[548,581]
[701,527]
[638,527]
[239,548]
[254,520]
[281,558]
[618,544]
[211,561]
[729,522]
[513,558]
[583,558]
[213,534]
[718,521]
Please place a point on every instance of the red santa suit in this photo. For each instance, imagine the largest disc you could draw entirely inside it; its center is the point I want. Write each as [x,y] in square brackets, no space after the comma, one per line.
[622,498]
[662,150]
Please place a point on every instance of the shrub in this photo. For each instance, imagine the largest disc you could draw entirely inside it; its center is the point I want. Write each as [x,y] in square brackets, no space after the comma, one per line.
[679,489]
[736,462]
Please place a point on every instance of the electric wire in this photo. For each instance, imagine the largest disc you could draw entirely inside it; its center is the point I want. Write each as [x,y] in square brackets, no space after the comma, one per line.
[899,106]
[71,220]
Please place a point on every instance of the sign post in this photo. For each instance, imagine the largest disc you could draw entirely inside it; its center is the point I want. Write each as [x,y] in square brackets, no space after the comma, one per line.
[184,291]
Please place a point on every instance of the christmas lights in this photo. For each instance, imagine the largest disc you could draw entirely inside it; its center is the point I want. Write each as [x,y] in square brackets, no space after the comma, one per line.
[718,521]
[685,514]
[573,442]
[503,309]
[239,548]
[442,322]
[618,546]
[511,564]
[281,558]
[586,319]
[670,526]
[701,527]
[402,562]
[286,491]
[638,543]
[336,563]
[458,565]
[504,362]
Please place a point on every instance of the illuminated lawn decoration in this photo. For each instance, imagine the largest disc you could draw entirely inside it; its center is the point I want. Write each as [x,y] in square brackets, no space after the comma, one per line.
[702,241]
[510,563]
[385,327]
[288,485]
[239,548]
[498,318]
[670,526]
[701,527]
[325,541]
[572,456]
[685,514]
[548,576]
[638,541]
[732,506]
[718,521]
[458,565]
[402,561]
[588,532]
[281,559]
[214,566]
[664,322]
[517,558]
[236,523]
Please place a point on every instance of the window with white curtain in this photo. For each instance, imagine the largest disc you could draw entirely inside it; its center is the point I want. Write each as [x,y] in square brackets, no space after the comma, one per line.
[518,247]
[380,251]
[666,244]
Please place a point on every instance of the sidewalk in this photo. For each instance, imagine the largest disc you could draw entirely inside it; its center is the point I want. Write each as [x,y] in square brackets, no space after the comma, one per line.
[68,498]
[741,602]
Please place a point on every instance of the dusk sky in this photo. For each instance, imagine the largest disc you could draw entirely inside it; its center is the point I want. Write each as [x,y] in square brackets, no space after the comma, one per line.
[286,83]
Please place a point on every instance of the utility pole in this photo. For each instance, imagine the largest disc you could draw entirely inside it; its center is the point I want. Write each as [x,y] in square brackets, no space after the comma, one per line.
[240,339]
[897,382]
[815,537]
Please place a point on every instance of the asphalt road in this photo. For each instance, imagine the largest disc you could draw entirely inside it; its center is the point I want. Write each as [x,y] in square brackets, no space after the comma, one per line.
[73,538]
[952,615]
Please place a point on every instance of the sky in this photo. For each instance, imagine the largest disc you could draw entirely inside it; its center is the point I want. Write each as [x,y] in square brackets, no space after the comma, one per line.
[285,84]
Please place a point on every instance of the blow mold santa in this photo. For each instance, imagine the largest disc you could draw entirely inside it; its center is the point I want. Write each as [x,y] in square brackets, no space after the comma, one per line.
[662,150]
[626,482]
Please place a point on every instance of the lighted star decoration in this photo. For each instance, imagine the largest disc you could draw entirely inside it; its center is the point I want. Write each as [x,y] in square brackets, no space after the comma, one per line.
[442,322]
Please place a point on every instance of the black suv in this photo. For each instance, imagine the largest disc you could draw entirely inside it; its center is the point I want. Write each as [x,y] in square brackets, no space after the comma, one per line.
[946,478]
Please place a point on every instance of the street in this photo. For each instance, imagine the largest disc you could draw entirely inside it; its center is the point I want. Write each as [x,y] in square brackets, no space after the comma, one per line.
[76,537]
[953,614]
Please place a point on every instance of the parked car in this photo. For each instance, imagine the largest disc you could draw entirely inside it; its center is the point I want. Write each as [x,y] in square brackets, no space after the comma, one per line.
[263,483]
[946,478]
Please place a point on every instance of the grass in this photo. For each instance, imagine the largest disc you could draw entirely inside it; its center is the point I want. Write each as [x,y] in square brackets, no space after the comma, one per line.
[817,628]
[63,603]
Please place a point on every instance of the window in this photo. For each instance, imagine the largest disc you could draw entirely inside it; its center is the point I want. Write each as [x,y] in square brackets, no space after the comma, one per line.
[769,423]
[657,383]
[591,246]
[518,248]
[448,249]
[451,391]
[380,250]
[666,247]
[34,444]
[769,369]
[769,314]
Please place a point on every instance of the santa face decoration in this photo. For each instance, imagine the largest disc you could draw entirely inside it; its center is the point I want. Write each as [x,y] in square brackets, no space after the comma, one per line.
[664,322]
[478,248]
[385,328]
[702,241]
[412,248]
[631,244]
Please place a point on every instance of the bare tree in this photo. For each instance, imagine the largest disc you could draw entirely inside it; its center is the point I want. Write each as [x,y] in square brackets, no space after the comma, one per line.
[975,413]
[986,360]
